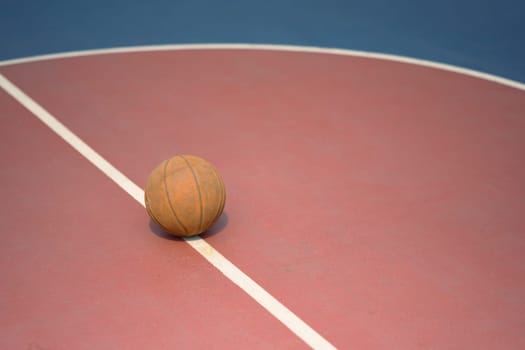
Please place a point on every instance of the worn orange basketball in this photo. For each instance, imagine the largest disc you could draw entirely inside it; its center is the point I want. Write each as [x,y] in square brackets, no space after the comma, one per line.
[185,195]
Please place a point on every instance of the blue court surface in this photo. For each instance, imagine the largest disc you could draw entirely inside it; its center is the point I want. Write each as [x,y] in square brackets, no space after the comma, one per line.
[372,154]
[487,36]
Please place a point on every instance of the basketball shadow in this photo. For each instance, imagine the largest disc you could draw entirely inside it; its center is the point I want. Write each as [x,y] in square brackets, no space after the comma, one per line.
[215,229]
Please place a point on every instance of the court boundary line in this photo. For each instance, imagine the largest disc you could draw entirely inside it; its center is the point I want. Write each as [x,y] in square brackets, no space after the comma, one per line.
[273,47]
[299,327]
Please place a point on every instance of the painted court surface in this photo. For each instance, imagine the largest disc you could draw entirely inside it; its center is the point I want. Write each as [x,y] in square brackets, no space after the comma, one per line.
[381,202]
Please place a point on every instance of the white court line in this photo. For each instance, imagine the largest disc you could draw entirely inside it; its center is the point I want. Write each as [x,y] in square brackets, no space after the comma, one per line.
[272,47]
[265,299]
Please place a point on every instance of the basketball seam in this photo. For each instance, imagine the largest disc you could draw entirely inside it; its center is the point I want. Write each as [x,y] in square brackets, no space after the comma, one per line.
[220,207]
[156,221]
[169,200]
[198,191]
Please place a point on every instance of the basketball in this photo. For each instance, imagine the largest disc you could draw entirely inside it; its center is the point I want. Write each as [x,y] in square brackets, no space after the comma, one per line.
[185,195]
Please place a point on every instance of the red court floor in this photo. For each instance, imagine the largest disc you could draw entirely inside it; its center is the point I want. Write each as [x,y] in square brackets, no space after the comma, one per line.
[382,202]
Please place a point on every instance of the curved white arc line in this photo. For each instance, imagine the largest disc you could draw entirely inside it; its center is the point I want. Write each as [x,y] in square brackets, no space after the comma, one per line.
[275,47]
